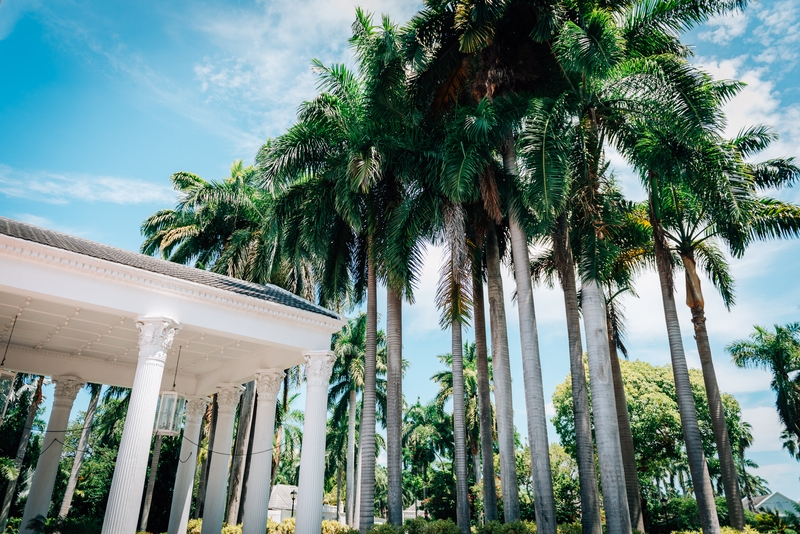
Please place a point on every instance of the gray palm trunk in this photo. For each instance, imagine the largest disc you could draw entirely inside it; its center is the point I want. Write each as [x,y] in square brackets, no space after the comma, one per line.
[531,369]
[151,483]
[247,464]
[587,473]
[484,404]
[351,459]
[394,402]
[604,409]
[501,367]
[236,482]
[24,439]
[730,481]
[683,389]
[626,438]
[357,498]
[83,442]
[201,488]
[460,430]
[367,427]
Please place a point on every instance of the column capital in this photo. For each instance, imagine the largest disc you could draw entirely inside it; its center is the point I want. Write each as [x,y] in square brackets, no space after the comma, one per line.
[228,397]
[67,388]
[319,365]
[268,382]
[196,406]
[155,336]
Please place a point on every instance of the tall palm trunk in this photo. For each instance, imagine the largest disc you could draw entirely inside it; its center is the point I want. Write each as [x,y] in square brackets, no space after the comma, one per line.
[201,489]
[696,303]
[394,402]
[351,458]
[683,388]
[587,471]
[11,488]
[484,403]
[356,520]
[625,437]
[276,453]
[238,461]
[83,442]
[151,483]
[367,427]
[460,430]
[604,409]
[531,368]
[501,367]
[248,462]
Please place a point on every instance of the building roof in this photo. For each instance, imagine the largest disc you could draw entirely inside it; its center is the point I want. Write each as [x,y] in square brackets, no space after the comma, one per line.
[281,497]
[78,245]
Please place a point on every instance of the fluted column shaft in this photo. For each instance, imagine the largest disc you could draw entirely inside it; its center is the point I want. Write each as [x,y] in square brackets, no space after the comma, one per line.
[217,485]
[256,508]
[184,478]
[41,490]
[122,511]
[319,365]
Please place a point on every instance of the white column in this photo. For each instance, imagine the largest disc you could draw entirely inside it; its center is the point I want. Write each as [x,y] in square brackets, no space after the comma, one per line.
[217,485]
[184,478]
[41,491]
[256,508]
[319,365]
[124,498]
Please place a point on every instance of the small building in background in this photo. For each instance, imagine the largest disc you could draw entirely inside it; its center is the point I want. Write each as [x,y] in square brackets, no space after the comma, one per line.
[774,502]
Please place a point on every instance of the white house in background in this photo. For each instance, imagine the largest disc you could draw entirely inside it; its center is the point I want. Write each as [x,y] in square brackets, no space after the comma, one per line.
[80,311]
[280,505]
[774,502]
[413,511]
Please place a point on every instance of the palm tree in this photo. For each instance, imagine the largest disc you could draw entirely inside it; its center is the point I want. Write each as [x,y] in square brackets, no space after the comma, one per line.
[237,481]
[779,353]
[427,437]
[83,442]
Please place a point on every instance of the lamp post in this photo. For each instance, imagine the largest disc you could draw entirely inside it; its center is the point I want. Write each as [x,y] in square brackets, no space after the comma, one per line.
[294,496]
[664,502]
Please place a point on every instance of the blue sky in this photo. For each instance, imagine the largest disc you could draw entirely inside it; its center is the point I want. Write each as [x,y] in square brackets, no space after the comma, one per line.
[101,101]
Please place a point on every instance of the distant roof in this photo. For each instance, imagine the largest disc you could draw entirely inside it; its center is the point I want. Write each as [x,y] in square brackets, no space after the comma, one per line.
[281,497]
[100,251]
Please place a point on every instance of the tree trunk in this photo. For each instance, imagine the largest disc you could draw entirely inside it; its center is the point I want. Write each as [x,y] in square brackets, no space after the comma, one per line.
[367,428]
[351,459]
[151,483]
[460,430]
[626,438]
[11,488]
[394,408]
[357,483]
[276,453]
[240,447]
[683,389]
[201,490]
[338,492]
[248,461]
[587,470]
[484,404]
[72,483]
[604,409]
[730,482]
[531,368]
[501,367]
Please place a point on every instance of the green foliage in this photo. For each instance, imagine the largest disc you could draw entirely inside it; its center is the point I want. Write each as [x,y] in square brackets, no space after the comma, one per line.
[724,530]
[385,528]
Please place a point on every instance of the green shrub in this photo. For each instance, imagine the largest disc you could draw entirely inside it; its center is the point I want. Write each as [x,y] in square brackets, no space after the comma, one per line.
[415,526]
[570,528]
[330,526]
[231,529]
[723,530]
[195,526]
[442,526]
[384,528]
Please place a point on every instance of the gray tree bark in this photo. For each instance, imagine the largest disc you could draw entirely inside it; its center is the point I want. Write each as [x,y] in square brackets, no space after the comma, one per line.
[394,401]
[531,368]
[501,367]
[350,493]
[77,462]
[367,427]
[248,461]
[460,430]
[151,483]
[201,486]
[246,404]
[484,404]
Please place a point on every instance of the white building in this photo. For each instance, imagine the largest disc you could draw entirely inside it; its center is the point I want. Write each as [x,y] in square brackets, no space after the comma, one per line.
[79,311]
[774,502]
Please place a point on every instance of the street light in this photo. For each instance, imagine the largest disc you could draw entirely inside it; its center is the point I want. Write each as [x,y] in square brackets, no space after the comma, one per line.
[294,496]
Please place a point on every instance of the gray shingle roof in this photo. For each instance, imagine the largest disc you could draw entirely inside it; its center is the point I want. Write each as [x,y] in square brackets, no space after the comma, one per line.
[281,497]
[92,249]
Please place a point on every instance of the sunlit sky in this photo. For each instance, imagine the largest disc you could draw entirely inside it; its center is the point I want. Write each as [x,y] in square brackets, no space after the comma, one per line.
[100,102]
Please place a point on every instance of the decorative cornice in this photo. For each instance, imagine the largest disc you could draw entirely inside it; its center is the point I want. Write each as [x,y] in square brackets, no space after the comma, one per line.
[67,388]
[319,365]
[268,383]
[228,397]
[155,337]
[72,261]
[196,408]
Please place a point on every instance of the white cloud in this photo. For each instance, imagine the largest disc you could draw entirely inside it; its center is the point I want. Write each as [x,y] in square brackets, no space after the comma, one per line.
[11,11]
[778,33]
[723,29]
[766,428]
[62,188]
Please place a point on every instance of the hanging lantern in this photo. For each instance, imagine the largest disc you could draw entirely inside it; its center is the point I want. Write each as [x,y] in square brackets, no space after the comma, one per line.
[6,389]
[169,414]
